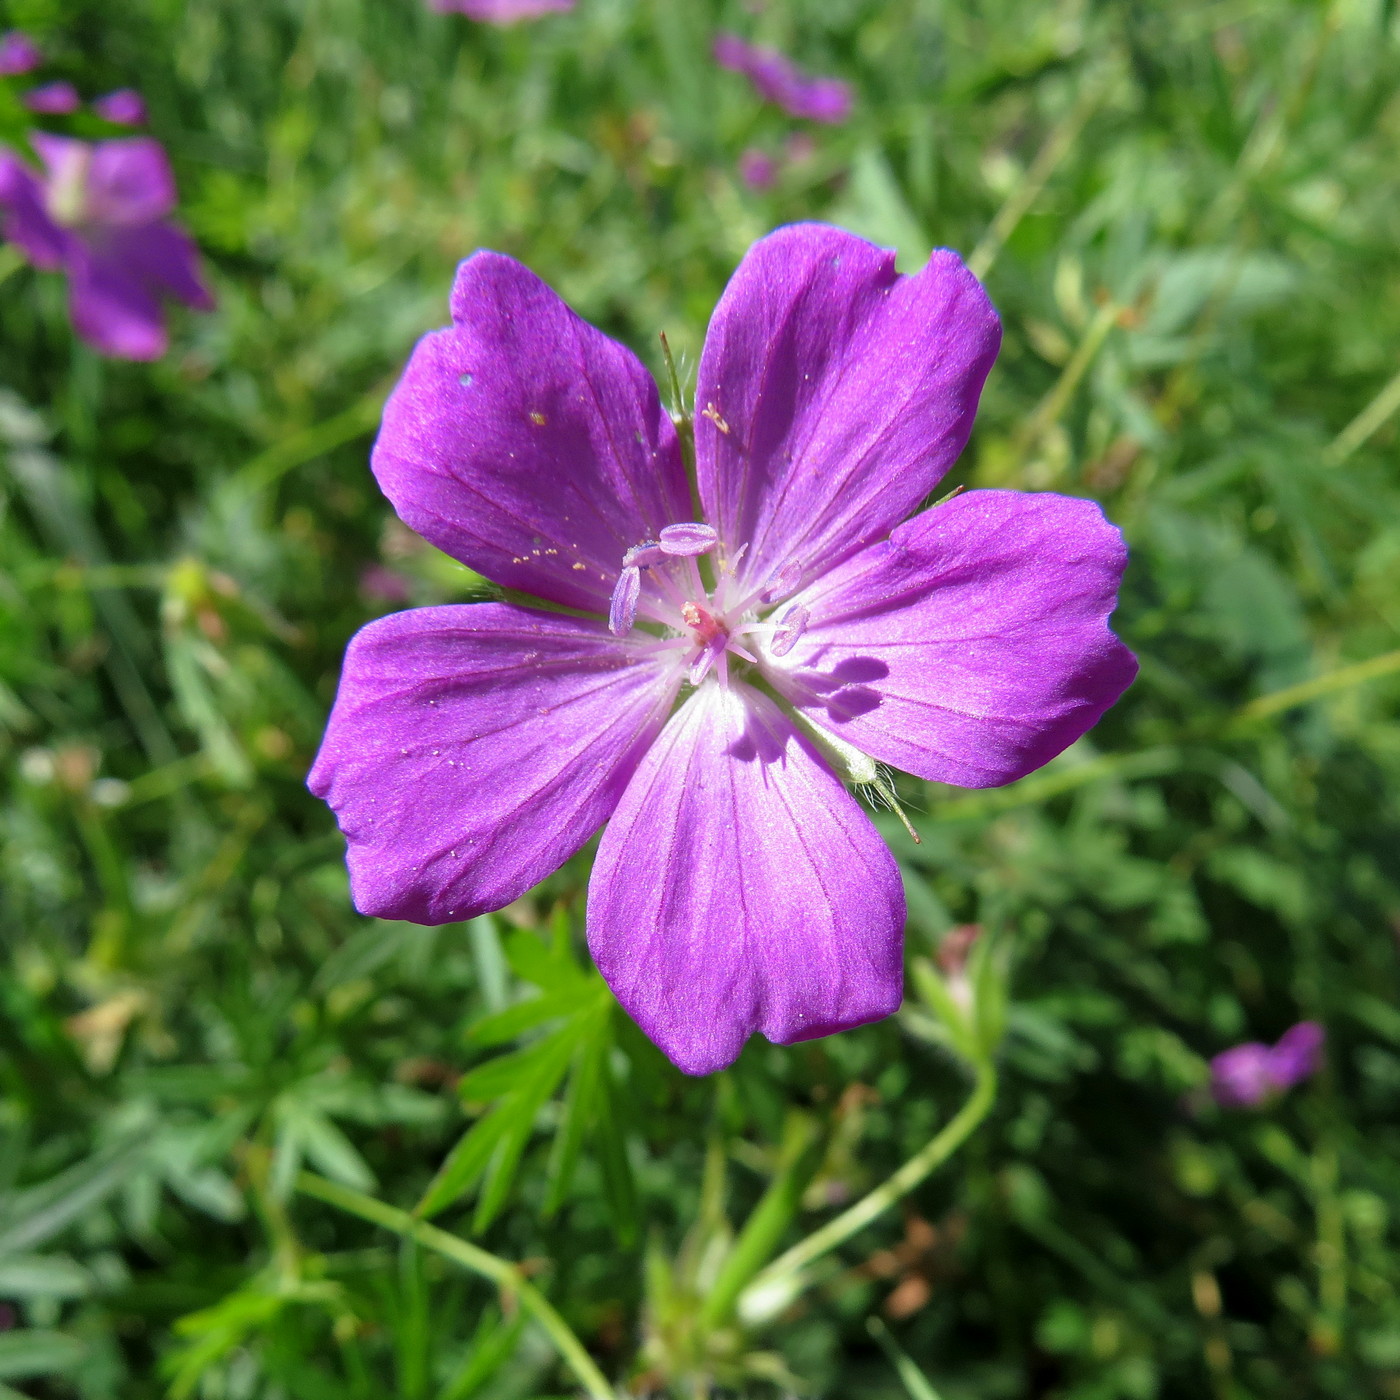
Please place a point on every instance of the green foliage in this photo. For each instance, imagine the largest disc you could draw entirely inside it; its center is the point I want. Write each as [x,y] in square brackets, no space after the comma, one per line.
[1186,215]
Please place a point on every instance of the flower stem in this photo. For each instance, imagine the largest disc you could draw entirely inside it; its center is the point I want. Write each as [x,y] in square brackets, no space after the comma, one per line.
[501,1272]
[942,1146]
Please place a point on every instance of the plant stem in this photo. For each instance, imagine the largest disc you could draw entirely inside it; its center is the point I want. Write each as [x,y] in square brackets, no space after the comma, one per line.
[942,1146]
[477,1261]
[1342,679]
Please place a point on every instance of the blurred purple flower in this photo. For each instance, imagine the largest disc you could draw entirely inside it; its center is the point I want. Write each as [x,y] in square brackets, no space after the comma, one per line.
[384,585]
[100,213]
[18,54]
[125,107]
[502,11]
[778,79]
[757,169]
[739,886]
[1249,1074]
[53,99]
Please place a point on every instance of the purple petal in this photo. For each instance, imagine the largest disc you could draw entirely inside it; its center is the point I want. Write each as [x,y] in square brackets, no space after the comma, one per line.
[778,79]
[757,169]
[162,256]
[1242,1076]
[27,221]
[125,107]
[18,54]
[527,444]
[502,11]
[53,99]
[820,100]
[130,181]
[833,394]
[473,749]
[1298,1054]
[973,645]
[112,308]
[739,887]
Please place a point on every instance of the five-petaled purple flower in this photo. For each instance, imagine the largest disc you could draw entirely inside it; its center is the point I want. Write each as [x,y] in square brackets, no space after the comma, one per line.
[502,11]
[738,886]
[124,107]
[100,212]
[18,54]
[779,80]
[1249,1074]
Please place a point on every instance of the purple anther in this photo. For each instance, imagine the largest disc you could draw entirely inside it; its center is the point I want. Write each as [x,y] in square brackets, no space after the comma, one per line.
[789,628]
[622,611]
[689,539]
[644,555]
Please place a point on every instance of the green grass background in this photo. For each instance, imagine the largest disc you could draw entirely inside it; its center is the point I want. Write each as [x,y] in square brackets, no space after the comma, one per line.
[1188,215]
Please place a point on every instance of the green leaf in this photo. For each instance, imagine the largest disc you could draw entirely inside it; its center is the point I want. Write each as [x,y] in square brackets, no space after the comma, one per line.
[462,1166]
[42,1276]
[551,968]
[491,1346]
[30,1217]
[503,1026]
[333,1152]
[555,1054]
[30,1354]
[580,1104]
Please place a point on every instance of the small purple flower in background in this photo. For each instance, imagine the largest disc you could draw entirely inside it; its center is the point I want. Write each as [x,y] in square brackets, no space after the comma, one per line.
[1247,1075]
[125,107]
[383,585]
[757,169]
[18,54]
[778,79]
[53,99]
[739,886]
[502,11]
[100,213]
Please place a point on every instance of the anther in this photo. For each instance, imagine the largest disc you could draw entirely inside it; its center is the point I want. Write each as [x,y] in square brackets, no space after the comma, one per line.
[788,630]
[688,540]
[622,611]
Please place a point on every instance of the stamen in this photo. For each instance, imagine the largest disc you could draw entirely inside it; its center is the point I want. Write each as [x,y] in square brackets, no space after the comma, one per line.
[622,611]
[644,555]
[713,650]
[689,539]
[788,630]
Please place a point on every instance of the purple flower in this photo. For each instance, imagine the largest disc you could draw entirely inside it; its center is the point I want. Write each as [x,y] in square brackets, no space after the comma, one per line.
[738,885]
[53,99]
[125,107]
[778,79]
[502,11]
[383,585]
[18,54]
[1247,1075]
[99,212]
[757,169]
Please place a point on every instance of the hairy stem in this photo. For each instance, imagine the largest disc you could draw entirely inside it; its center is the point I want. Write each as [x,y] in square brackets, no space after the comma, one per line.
[477,1261]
